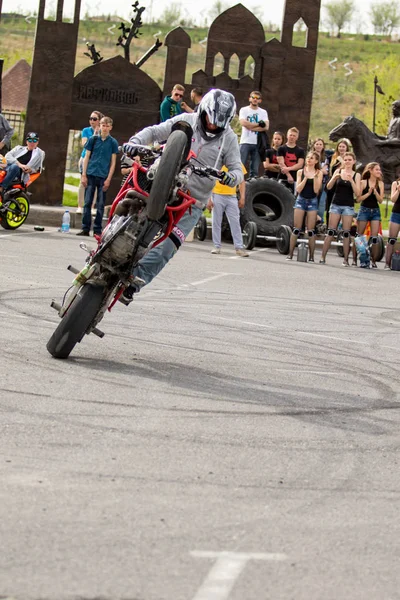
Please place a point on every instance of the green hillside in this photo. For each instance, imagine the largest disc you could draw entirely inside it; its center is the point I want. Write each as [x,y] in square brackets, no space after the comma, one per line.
[335,94]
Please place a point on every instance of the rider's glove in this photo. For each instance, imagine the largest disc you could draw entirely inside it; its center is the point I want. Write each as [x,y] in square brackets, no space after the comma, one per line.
[228,179]
[130,149]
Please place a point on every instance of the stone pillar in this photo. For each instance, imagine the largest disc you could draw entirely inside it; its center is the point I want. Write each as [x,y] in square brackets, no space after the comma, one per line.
[178,42]
[50,96]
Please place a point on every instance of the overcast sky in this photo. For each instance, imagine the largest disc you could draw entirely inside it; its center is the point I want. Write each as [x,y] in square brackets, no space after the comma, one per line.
[271,9]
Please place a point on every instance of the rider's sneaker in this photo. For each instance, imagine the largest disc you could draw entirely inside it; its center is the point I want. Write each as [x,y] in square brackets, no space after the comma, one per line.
[216,251]
[127,295]
[83,232]
[241,252]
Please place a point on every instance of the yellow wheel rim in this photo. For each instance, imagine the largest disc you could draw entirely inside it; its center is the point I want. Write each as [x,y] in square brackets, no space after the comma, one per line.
[15,219]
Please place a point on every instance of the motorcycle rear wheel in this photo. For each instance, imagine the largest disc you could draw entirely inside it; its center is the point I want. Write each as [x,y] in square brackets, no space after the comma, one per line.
[164,181]
[16,213]
[76,321]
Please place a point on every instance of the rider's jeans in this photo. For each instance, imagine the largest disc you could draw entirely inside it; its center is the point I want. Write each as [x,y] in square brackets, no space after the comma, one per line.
[156,259]
[13,171]
[94,183]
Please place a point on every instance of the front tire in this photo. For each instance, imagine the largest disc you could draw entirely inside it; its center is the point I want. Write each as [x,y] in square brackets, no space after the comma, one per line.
[17,211]
[164,180]
[76,321]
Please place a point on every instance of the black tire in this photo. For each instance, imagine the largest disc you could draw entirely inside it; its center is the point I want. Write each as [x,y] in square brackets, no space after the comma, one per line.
[269,205]
[164,180]
[201,229]
[18,210]
[76,321]
[249,235]
[381,248]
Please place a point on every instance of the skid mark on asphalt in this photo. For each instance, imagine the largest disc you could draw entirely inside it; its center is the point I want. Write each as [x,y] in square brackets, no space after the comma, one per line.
[227,568]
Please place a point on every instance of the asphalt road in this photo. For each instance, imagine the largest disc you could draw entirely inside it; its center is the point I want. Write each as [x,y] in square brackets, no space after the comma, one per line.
[234,435]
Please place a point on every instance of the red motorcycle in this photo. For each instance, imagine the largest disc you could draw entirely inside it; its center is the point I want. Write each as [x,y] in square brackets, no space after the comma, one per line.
[14,207]
[144,213]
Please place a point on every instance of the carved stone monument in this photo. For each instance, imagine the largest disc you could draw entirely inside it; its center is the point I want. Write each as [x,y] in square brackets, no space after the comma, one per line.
[58,101]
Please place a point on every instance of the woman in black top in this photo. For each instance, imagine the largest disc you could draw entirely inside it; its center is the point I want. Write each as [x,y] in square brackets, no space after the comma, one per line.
[336,162]
[347,183]
[271,166]
[309,181]
[371,195]
[394,224]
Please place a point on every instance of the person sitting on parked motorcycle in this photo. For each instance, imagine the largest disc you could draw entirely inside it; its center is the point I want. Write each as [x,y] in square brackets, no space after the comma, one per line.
[215,144]
[22,161]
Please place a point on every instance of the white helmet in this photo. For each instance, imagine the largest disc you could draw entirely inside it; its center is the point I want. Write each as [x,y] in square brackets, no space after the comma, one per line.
[220,108]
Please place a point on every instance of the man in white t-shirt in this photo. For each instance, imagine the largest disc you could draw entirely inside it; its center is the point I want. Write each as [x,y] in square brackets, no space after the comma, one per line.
[252,119]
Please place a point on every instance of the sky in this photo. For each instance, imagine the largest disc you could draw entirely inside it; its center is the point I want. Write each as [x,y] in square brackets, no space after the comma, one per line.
[271,9]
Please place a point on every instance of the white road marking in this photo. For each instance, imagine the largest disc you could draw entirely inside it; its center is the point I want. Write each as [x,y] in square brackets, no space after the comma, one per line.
[212,278]
[246,322]
[223,574]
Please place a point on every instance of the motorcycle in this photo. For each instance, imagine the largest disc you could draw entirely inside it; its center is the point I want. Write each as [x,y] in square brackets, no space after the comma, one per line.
[145,211]
[14,206]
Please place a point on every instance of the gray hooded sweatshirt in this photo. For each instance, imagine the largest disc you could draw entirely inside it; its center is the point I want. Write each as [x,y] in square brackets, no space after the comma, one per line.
[215,152]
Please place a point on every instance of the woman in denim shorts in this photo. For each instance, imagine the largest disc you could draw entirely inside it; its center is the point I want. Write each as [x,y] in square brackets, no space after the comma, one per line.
[371,195]
[394,224]
[347,183]
[308,185]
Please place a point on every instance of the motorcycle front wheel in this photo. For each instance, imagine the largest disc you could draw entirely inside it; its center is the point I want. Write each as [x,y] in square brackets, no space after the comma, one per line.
[164,181]
[76,320]
[15,212]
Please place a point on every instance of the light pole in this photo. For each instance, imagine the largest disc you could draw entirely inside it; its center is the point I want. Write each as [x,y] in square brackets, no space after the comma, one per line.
[377,88]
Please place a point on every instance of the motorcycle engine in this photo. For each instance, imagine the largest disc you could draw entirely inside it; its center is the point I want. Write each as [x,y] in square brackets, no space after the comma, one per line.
[121,248]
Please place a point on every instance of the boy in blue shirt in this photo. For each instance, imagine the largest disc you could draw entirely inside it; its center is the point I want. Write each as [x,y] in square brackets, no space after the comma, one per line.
[97,170]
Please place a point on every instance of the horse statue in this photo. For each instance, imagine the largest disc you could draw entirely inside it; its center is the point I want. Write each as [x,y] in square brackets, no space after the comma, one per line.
[370,147]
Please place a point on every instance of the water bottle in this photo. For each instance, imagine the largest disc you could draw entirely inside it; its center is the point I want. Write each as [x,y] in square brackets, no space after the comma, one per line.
[66,220]
[395,266]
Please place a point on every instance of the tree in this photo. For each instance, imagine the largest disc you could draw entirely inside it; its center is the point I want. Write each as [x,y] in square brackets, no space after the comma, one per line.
[172,14]
[385,17]
[339,14]
[216,9]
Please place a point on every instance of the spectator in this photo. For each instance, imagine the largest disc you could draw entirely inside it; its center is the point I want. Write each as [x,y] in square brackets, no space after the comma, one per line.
[253,119]
[324,160]
[336,162]
[97,171]
[171,105]
[271,166]
[87,132]
[347,186]
[394,223]
[6,133]
[22,161]
[309,181]
[224,200]
[290,158]
[371,195]
[195,95]
[126,167]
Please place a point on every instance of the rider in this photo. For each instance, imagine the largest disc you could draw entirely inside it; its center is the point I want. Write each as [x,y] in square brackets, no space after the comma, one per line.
[22,161]
[215,144]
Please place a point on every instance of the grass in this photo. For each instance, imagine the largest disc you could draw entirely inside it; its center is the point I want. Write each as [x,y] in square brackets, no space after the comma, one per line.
[70,198]
[72,181]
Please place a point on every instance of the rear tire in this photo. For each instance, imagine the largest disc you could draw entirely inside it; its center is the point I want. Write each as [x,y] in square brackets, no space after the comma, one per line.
[10,219]
[164,181]
[76,321]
